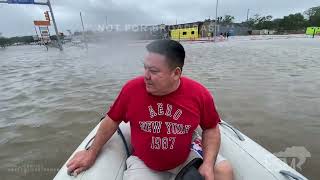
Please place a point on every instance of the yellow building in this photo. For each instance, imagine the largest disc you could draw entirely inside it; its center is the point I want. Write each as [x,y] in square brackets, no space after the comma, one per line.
[185,33]
[313,30]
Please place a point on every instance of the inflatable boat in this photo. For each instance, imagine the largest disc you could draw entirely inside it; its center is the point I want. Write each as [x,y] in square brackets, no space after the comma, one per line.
[249,160]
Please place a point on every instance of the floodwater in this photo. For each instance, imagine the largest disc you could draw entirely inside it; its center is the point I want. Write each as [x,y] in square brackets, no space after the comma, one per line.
[50,100]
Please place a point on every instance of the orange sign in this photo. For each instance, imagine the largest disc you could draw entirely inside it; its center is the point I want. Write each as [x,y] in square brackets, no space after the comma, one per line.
[41,23]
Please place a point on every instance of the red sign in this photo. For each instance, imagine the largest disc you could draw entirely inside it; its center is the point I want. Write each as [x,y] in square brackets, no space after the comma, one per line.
[41,23]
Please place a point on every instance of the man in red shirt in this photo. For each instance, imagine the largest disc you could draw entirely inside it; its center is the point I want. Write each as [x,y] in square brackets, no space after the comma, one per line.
[163,109]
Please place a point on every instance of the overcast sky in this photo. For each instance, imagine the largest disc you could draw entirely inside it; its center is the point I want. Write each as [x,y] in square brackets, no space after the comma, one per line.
[16,20]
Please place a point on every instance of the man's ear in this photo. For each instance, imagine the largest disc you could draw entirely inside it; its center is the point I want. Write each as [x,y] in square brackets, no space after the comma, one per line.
[177,73]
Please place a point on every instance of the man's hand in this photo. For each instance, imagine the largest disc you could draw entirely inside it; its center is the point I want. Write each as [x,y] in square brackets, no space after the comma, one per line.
[206,170]
[81,161]
[210,145]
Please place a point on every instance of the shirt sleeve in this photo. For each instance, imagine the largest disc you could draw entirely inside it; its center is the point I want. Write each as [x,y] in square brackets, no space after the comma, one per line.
[118,109]
[209,115]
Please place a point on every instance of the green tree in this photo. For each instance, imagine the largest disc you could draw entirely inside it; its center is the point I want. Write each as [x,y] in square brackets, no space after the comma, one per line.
[293,22]
[264,22]
[313,15]
[9,41]
[253,21]
[312,11]
[3,42]
[276,24]
[228,19]
[260,22]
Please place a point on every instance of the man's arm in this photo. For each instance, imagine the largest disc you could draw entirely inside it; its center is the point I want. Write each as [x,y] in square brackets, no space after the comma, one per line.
[83,160]
[210,145]
[107,128]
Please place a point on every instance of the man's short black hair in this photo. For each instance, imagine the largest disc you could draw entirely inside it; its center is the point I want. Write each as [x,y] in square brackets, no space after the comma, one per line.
[172,50]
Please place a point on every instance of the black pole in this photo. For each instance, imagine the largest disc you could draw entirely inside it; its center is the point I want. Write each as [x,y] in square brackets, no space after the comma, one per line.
[55,26]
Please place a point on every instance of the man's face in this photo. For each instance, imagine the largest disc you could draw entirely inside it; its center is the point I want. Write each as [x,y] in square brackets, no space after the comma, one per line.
[158,76]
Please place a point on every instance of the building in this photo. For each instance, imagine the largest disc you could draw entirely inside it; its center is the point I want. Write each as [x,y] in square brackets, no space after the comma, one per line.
[313,31]
[185,33]
[263,32]
[188,31]
[191,31]
[206,29]
[234,29]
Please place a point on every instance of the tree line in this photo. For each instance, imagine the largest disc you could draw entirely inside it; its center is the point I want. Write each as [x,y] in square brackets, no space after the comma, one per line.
[21,40]
[298,21]
[10,41]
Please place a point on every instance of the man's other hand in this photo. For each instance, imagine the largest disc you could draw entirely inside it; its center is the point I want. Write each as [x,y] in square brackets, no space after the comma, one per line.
[81,161]
[206,170]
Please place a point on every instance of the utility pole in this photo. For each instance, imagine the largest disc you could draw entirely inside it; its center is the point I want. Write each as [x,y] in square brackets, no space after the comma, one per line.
[55,26]
[248,15]
[35,29]
[178,30]
[83,33]
[106,22]
[216,23]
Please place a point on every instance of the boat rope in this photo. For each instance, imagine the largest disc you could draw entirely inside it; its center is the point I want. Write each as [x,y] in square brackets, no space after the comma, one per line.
[124,141]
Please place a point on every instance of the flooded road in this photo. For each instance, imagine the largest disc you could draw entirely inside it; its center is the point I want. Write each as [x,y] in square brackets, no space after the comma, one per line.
[50,100]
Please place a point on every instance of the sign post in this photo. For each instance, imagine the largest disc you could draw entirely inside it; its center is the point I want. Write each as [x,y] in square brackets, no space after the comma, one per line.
[216,23]
[55,26]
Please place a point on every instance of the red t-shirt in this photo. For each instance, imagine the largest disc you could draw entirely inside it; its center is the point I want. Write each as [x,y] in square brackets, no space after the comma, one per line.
[162,126]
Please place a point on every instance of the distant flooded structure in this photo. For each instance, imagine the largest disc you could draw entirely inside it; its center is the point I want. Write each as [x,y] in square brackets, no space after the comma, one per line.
[263,32]
[235,29]
[313,31]
[191,31]
[194,30]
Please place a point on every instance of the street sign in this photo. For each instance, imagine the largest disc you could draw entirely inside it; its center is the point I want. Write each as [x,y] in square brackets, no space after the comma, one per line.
[41,23]
[20,1]
[45,34]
